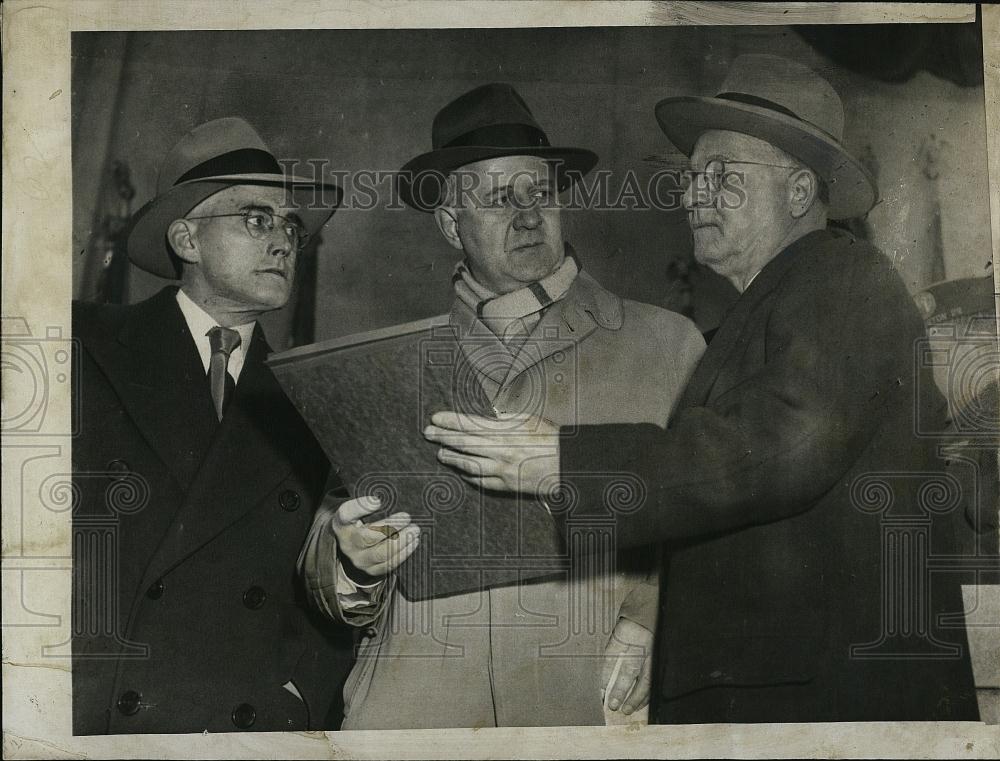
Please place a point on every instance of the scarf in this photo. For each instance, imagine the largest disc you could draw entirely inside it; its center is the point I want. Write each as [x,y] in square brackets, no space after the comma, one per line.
[512,316]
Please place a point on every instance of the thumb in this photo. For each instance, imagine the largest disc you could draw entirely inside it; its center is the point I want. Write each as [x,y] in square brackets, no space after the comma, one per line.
[355,509]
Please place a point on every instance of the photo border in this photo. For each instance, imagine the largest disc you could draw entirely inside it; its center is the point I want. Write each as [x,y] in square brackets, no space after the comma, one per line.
[37,285]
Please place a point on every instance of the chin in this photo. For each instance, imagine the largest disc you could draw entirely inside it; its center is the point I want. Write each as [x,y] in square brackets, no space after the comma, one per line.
[273,299]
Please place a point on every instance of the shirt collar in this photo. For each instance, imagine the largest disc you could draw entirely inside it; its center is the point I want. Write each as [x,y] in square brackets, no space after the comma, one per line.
[199,322]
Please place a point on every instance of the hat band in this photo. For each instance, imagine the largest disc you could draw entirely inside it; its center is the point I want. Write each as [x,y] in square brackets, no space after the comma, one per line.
[501,136]
[241,161]
[753,100]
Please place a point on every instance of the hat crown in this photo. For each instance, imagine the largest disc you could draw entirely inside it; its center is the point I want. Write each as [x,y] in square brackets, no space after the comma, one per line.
[205,143]
[790,86]
[493,114]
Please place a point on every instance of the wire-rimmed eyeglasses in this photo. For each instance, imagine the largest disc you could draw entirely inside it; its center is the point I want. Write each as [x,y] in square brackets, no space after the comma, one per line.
[261,222]
[716,173]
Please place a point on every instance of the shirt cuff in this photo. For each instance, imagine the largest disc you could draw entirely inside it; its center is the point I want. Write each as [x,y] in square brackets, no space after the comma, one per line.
[353,595]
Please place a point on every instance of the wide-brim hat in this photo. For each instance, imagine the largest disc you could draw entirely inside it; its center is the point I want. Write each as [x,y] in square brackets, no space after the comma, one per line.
[211,157]
[788,105]
[485,123]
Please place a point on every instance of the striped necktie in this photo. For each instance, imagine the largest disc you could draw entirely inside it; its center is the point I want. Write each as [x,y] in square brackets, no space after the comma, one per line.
[222,341]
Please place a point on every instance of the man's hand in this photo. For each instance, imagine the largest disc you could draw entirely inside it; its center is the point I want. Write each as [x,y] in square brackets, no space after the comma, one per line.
[376,548]
[632,645]
[518,453]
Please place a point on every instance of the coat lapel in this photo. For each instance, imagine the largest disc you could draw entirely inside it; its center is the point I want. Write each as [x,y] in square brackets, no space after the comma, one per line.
[737,320]
[246,459]
[154,366]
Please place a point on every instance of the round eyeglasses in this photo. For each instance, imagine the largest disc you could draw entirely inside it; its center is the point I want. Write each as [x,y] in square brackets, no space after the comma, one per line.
[260,223]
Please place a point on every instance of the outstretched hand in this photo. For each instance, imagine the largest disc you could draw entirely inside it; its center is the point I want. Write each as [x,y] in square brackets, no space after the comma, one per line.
[517,453]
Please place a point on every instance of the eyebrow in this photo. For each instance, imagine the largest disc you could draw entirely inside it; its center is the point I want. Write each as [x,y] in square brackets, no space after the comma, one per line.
[258,207]
[545,184]
[506,189]
[293,217]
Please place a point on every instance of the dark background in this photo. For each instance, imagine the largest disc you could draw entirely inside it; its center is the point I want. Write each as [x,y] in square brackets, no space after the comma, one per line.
[365,100]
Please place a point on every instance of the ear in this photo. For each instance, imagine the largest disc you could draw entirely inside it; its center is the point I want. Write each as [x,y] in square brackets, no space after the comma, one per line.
[447,222]
[803,187]
[180,235]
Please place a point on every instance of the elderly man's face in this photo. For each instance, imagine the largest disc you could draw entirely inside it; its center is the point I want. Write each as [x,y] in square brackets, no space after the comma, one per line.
[508,221]
[738,227]
[242,264]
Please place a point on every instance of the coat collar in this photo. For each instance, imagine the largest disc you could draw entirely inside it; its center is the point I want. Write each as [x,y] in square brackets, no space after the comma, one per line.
[586,307]
[153,364]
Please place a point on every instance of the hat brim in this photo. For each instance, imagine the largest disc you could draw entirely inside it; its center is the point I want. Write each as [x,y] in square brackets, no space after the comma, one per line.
[853,190]
[147,244]
[421,181]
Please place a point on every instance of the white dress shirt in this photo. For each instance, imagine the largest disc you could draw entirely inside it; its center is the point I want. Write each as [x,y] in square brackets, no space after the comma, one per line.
[199,322]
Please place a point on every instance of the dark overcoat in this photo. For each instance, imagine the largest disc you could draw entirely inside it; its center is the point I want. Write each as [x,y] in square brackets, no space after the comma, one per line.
[187,611]
[807,526]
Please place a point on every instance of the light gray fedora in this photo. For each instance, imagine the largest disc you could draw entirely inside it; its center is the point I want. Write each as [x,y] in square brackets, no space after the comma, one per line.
[788,105]
[211,157]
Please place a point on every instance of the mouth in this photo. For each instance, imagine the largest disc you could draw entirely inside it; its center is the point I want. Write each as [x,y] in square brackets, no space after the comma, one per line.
[699,224]
[283,274]
[525,246]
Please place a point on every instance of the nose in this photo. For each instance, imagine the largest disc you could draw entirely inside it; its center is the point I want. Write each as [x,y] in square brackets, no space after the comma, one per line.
[281,245]
[697,192]
[528,218]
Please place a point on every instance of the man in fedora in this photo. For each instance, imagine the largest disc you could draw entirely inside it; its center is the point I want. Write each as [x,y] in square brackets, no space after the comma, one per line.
[790,491]
[196,477]
[530,327]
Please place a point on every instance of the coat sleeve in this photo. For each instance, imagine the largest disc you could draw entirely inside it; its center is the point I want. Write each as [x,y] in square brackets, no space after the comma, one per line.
[328,589]
[838,348]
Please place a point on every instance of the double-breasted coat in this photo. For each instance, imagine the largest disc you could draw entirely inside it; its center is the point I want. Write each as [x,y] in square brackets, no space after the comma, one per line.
[803,519]
[187,611]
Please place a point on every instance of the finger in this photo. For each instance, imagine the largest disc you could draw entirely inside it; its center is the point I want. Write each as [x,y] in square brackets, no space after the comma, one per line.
[378,559]
[355,509]
[371,535]
[627,676]
[493,482]
[389,532]
[639,696]
[398,521]
[456,421]
[406,549]
[483,445]
[385,559]
[611,653]
[474,466]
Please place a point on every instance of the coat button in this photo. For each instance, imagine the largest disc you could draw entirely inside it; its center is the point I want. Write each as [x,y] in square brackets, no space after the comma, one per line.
[155,591]
[244,716]
[128,703]
[118,469]
[254,597]
[289,500]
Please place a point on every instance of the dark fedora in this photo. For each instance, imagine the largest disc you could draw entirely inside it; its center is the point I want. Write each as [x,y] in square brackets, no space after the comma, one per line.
[788,105]
[487,122]
[212,157]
